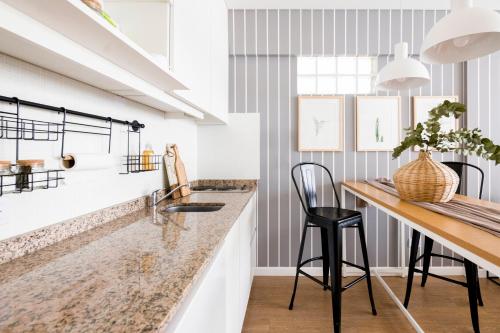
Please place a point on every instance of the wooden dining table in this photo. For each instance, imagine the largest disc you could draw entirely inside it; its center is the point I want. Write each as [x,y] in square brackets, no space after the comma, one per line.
[468,241]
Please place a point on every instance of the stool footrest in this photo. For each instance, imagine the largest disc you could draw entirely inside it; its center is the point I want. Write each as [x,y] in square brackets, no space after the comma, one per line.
[441,256]
[354,265]
[310,260]
[314,279]
[347,286]
[354,282]
[463,284]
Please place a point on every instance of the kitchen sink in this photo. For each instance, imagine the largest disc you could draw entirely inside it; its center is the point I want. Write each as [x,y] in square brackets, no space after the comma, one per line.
[192,207]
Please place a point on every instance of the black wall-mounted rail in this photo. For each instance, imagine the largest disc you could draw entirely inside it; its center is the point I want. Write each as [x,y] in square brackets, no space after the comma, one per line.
[134,124]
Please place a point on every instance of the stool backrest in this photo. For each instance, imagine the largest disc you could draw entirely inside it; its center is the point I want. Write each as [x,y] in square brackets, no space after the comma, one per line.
[308,175]
[460,167]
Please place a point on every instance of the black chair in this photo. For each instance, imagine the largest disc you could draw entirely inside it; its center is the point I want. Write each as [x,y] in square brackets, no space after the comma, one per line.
[471,271]
[331,220]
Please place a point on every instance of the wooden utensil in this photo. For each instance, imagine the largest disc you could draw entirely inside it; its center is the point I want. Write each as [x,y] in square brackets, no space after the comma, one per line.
[181,173]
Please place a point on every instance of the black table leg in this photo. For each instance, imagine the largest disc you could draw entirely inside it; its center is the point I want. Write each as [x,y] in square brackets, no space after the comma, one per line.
[366,264]
[415,239]
[471,275]
[479,297]
[429,242]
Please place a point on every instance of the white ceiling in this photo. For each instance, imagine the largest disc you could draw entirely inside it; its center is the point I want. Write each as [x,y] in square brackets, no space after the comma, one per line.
[352,4]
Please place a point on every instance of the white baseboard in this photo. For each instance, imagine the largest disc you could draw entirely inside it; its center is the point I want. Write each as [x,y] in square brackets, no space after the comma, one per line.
[351,271]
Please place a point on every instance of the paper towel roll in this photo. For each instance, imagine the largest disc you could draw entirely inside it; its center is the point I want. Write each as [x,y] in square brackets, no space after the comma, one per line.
[73,161]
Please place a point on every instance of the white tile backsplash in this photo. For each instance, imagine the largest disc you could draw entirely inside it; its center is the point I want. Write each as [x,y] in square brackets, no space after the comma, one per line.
[84,191]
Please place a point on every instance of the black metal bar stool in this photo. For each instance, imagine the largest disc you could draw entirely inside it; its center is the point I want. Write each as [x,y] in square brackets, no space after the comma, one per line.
[471,271]
[331,220]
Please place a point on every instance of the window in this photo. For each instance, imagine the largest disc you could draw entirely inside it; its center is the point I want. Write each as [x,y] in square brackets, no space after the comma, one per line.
[336,75]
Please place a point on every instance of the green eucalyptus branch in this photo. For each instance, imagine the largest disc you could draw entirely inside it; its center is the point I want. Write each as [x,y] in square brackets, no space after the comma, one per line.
[463,141]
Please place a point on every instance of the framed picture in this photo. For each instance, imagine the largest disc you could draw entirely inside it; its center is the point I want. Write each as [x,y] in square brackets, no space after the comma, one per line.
[320,123]
[423,104]
[378,125]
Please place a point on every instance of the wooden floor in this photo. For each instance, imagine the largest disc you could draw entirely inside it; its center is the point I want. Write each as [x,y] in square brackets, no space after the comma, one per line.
[439,307]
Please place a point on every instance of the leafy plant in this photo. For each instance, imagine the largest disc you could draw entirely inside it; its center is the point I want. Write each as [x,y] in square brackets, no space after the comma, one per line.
[463,141]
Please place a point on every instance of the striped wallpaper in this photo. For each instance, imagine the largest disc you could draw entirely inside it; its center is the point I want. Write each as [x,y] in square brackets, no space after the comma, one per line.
[263,48]
[483,99]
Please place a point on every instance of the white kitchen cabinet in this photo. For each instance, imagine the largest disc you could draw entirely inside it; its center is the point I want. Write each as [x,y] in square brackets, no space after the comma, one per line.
[191,50]
[153,37]
[219,58]
[218,301]
[206,311]
[69,38]
[246,248]
[200,55]
[233,260]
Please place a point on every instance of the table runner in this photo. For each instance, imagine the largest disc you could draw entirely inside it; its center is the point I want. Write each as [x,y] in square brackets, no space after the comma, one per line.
[487,219]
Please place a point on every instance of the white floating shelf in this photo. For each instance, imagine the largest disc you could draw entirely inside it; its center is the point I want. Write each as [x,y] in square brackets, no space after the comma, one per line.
[30,31]
[76,21]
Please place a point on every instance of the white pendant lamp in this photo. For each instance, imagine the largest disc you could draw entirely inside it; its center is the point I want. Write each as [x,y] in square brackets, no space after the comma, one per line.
[466,33]
[403,72]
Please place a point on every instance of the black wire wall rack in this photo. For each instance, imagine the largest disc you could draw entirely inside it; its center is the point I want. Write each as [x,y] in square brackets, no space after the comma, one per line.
[17,128]
[19,182]
[13,126]
[135,163]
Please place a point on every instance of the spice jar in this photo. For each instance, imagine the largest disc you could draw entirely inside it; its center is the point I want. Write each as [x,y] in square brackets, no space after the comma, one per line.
[5,168]
[24,169]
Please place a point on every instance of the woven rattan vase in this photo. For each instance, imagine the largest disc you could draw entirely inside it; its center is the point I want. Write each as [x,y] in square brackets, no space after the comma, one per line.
[426,180]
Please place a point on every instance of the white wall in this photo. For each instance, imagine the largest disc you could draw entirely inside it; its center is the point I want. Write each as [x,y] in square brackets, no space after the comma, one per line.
[230,151]
[84,191]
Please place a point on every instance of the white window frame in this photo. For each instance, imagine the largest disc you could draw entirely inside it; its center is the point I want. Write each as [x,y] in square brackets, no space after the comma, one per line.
[316,75]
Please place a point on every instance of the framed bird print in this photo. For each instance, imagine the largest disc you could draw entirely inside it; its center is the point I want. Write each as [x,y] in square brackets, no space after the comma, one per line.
[320,123]
[378,124]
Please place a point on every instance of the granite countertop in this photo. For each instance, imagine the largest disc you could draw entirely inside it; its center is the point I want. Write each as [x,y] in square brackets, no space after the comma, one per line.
[130,274]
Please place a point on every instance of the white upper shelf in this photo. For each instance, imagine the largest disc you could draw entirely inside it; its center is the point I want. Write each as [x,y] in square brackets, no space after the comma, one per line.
[67,37]
[76,21]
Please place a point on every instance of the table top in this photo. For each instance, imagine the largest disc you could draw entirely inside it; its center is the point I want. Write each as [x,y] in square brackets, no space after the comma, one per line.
[475,240]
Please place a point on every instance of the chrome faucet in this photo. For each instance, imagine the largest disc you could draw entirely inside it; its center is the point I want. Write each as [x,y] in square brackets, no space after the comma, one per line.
[154,196]
[155,201]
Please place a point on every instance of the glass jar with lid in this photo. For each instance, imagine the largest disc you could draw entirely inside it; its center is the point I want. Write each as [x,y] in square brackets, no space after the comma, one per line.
[24,172]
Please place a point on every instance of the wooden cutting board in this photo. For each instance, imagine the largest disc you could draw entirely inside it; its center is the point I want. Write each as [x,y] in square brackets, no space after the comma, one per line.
[172,181]
[181,173]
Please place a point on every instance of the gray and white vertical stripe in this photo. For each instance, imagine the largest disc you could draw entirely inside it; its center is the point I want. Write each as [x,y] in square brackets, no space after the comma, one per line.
[263,48]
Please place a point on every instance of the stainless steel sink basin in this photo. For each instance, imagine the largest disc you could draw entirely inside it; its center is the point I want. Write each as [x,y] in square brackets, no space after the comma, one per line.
[192,207]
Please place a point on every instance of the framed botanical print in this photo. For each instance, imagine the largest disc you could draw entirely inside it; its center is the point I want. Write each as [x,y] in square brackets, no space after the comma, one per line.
[423,104]
[320,123]
[378,124]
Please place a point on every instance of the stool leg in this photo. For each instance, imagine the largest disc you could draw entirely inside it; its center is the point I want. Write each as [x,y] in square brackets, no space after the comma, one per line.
[362,240]
[479,297]
[470,273]
[326,257]
[335,251]
[299,261]
[415,239]
[429,242]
